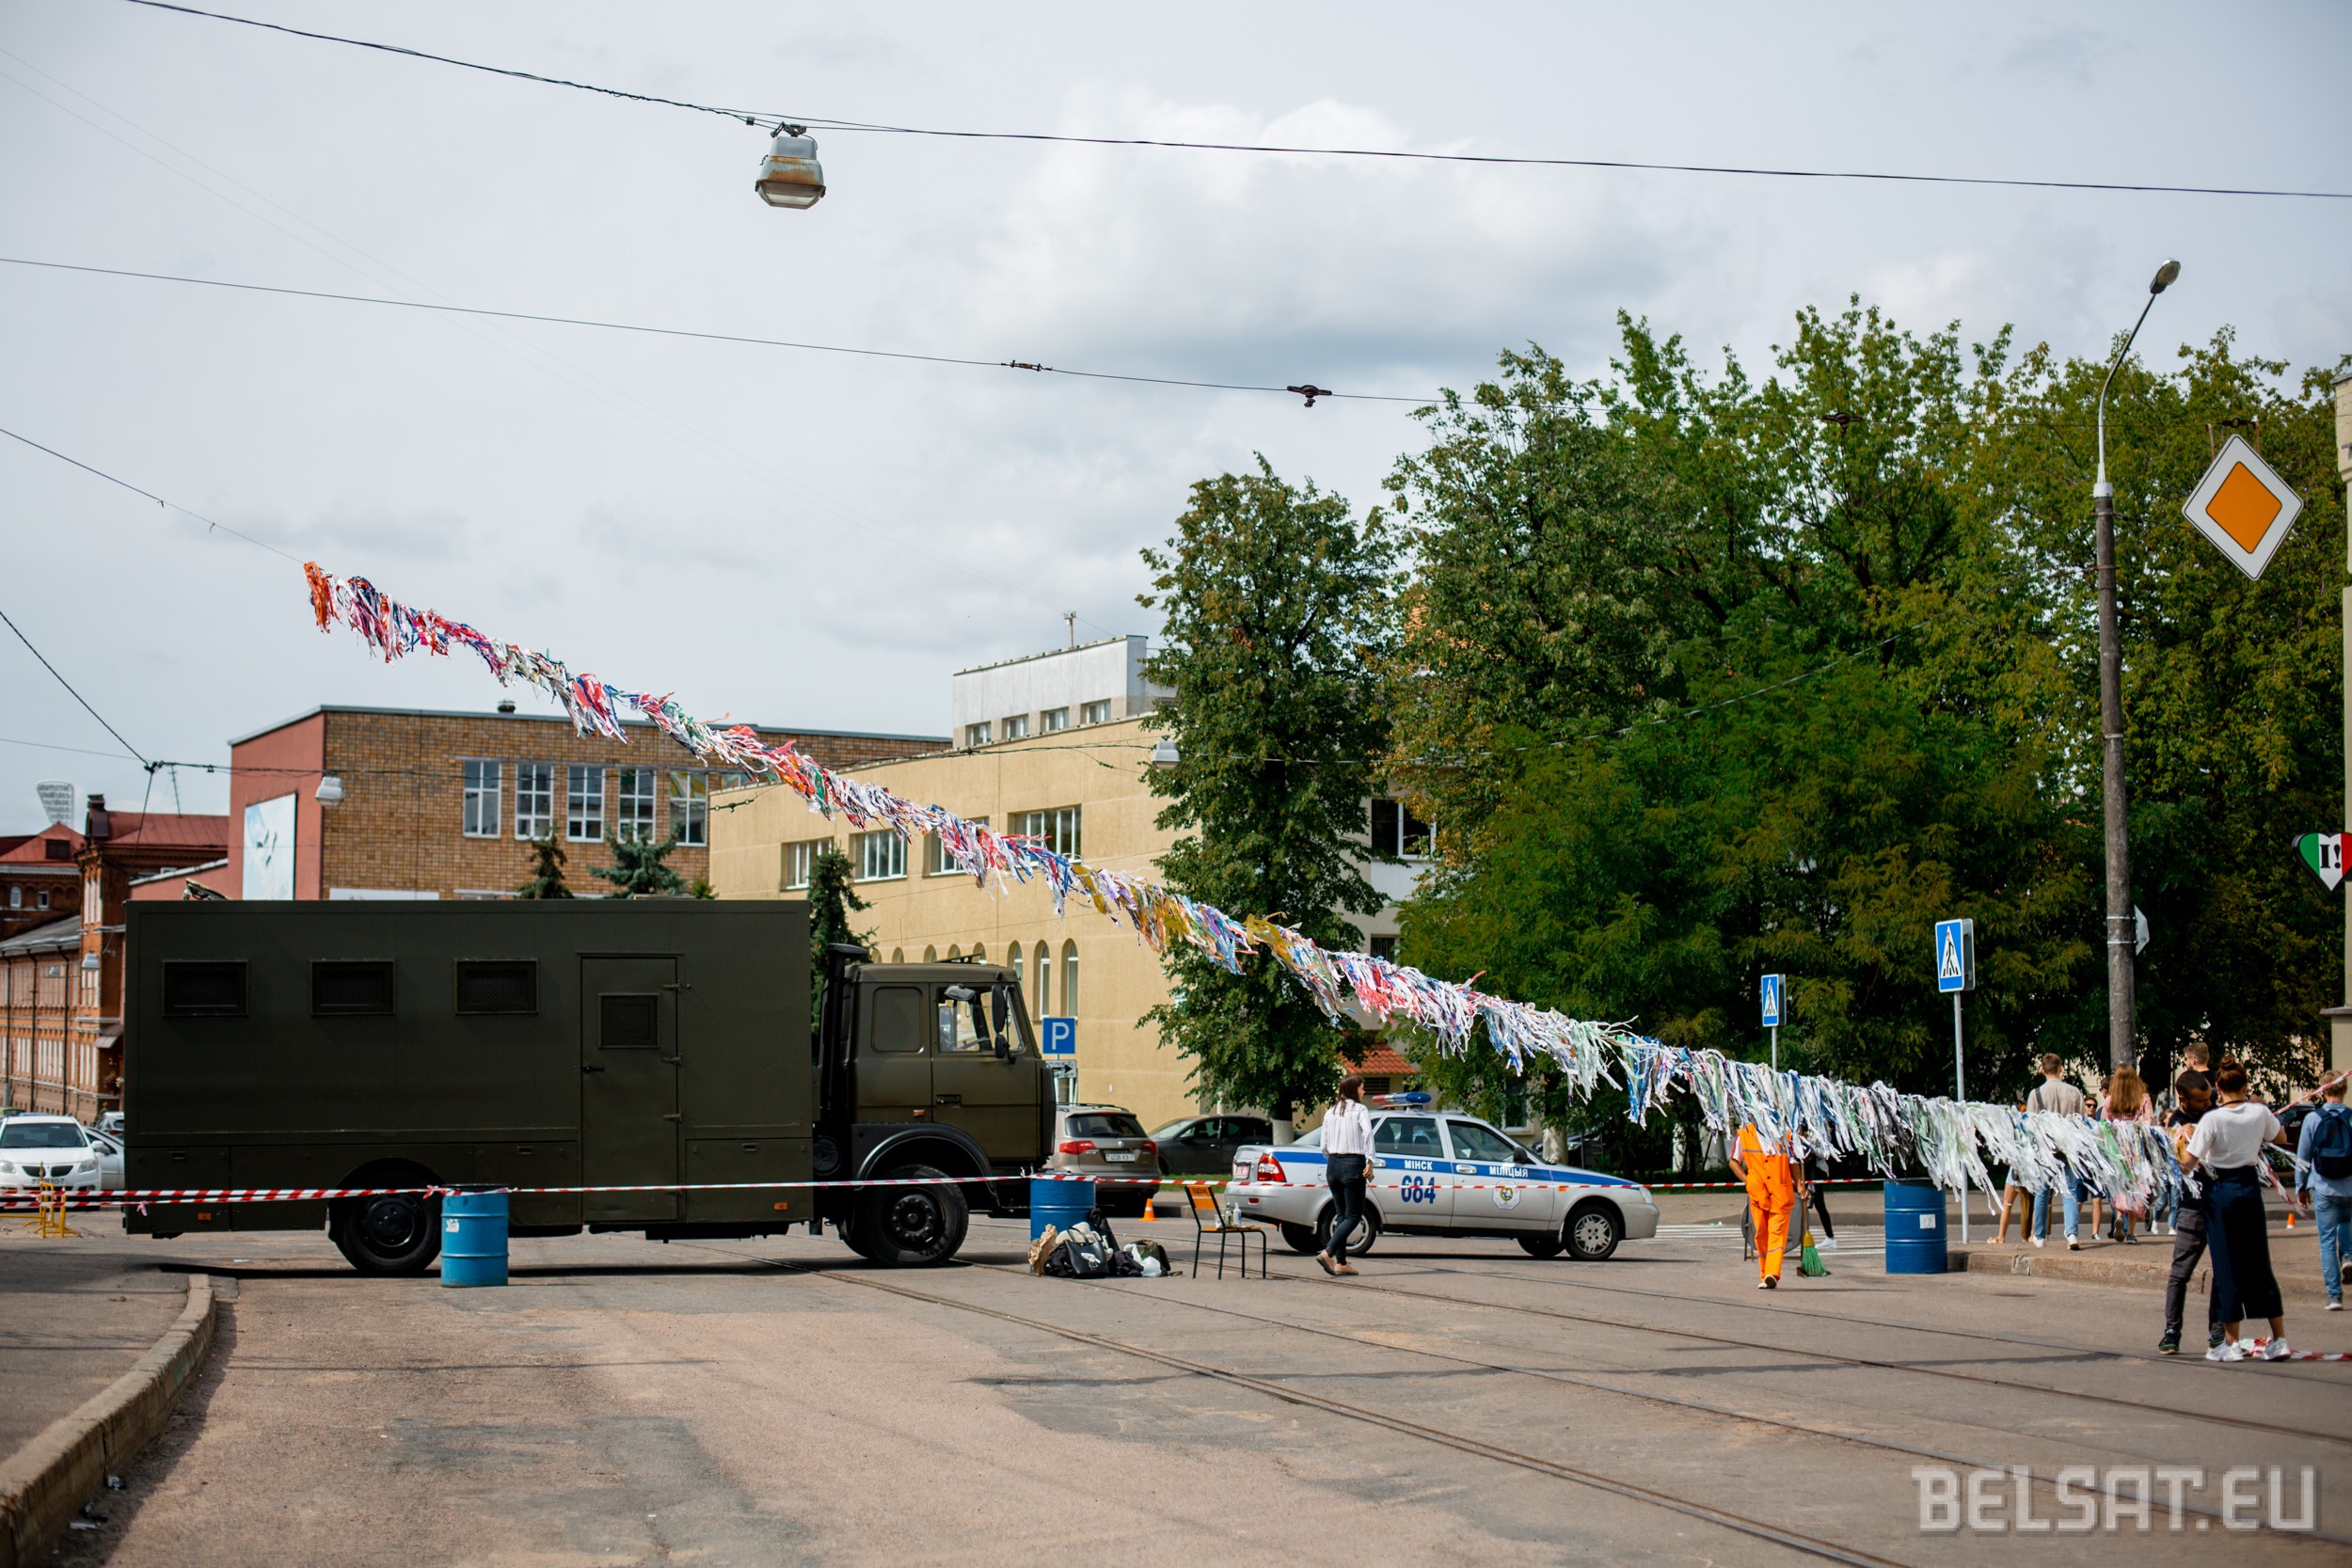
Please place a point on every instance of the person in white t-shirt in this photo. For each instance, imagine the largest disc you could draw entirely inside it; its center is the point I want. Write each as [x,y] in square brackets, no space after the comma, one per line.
[1346,1157]
[2228,1142]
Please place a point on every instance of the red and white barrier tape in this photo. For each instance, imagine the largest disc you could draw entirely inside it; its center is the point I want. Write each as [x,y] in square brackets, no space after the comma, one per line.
[23,1197]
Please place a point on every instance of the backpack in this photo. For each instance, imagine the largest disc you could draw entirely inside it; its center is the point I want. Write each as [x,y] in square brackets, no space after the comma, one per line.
[2331,1146]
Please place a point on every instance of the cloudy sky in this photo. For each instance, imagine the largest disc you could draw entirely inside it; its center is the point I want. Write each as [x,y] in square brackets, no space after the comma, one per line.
[819,540]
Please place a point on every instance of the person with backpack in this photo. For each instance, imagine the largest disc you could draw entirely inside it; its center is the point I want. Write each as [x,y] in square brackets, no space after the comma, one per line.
[2326,1152]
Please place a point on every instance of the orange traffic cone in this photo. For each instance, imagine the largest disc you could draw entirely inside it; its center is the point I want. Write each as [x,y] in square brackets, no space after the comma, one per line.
[1150,1205]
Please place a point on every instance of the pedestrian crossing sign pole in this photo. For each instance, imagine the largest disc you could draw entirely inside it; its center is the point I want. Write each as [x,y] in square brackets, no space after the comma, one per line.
[1775,1003]
[1956,972]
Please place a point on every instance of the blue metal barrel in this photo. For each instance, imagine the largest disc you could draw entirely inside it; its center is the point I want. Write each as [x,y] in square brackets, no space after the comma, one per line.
[1915,1228]
[473,1239]
[1057,1202]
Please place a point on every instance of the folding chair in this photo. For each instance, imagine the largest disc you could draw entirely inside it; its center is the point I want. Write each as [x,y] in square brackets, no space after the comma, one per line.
[1207,1220]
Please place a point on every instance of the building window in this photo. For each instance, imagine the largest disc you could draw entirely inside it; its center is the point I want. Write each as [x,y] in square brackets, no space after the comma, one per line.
[43,899]
[16,898]
[58,850]
[690,808]
[1056,719]
[1045,998]
[1397,831]
[881,856]
[1384,948]
[1017,727]
[975,734]
[632,818]
[1057,829]
[1095,713]
[534,800]
[1014,960]
[1069,979]
[481,799]
[733,781]
[936,861]
[583,803]
[800,860]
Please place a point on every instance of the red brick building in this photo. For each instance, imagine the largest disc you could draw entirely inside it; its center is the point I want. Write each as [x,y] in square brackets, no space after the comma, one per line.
[41,878]
[363,802]
[61,982]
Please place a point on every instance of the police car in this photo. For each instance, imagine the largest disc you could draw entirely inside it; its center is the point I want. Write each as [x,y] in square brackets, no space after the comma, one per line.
[1444,1175]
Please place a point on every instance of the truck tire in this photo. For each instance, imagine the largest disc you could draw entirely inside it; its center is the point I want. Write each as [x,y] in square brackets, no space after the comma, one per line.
[1300,1239]
[1593,1231]
[910,1227]
[1367,1231]
[397,1233]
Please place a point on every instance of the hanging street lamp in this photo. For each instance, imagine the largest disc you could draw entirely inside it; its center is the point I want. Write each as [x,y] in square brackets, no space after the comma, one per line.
[790,175]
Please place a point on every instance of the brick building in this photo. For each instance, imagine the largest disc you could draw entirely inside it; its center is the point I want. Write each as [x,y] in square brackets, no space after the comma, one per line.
[37,970]
[39,878]
[365,802]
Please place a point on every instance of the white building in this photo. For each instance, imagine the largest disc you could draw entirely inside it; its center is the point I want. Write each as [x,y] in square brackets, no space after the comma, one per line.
[1093,683]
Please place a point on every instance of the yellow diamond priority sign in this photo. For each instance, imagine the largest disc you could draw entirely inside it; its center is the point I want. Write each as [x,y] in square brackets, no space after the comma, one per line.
[2243,507]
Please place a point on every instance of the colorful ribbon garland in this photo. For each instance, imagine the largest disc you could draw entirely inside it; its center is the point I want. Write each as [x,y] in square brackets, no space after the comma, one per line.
[1887,1129]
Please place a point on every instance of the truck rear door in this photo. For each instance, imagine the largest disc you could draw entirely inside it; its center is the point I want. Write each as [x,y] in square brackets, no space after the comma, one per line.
[628,1094]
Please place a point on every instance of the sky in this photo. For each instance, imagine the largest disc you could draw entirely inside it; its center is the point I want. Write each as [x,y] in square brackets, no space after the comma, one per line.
[820,540]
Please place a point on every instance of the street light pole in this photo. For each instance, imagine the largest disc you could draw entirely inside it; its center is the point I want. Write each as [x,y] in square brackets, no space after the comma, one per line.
[2122,1045]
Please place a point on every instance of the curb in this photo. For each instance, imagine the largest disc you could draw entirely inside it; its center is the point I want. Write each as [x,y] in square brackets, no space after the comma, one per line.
[46,1481]
[2143,1273]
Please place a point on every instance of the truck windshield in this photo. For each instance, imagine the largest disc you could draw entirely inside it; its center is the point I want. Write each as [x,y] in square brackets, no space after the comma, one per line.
[964,1018]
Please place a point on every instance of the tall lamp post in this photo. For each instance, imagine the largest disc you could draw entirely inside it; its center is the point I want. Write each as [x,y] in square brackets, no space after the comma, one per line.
[2122,1048]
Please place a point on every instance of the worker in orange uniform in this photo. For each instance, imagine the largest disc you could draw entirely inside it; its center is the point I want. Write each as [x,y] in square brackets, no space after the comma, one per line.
[1772,1197]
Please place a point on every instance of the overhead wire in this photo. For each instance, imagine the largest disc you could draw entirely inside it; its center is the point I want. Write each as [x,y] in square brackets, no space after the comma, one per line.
[803,345]
[522,348]
[773,119]
[77,695]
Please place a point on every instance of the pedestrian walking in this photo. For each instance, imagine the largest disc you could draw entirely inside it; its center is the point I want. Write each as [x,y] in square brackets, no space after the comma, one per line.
[2127,1099]
[2015,1197]
[2228,1142]
[1346,1157]
[2195,1095]
[1771,1180]
[2326,1183]
[2055,1094]
[1817,1173]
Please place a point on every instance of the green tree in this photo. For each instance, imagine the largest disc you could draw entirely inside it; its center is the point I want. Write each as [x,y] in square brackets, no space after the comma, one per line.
[1276,606]
[639,868]
[547,870]
[832,899]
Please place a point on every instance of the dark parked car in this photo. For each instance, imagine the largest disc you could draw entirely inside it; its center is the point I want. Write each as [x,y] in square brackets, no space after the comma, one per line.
[1203,1145]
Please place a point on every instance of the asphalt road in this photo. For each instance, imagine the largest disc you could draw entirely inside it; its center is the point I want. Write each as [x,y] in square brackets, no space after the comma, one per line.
[73,1317]
[624,1401]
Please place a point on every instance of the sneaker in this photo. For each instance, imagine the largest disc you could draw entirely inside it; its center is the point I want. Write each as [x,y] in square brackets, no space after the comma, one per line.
[2335,1304]
[2073,1243]
[1829,1243]
[2272,1350]
[1328,1266]
[2225,1352]
[2168,1345]
[2038,1242]
[1349,1269]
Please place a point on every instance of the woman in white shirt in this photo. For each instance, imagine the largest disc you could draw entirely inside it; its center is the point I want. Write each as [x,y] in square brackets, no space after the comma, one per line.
[1347,1155]
[2228,1141]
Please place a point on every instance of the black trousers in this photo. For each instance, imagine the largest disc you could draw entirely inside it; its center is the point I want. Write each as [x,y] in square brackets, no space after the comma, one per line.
[2188,1247]
[1821,1207]
[2239,1237]
[1346,1175]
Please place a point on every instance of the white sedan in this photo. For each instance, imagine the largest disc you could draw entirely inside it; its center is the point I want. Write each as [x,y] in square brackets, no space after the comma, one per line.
[1444,1176]
[38,1149]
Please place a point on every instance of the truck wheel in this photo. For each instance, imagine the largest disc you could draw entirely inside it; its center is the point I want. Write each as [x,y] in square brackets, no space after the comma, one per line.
[1300,1239]
[396,1233]
[1544,1246]
[905,1226]
[1367,1231]
[1593,1231]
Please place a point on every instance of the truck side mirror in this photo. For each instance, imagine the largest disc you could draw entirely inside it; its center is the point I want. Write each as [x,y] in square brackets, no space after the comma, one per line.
[1000,1018]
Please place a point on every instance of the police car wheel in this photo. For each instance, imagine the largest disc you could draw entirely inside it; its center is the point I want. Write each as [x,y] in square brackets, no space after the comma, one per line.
[1300,1239]
[1593,1231]
[1367,1232]
[1546,1245]
[910,1227]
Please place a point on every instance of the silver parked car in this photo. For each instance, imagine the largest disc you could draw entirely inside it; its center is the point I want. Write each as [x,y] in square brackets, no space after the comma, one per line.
[1108,1144]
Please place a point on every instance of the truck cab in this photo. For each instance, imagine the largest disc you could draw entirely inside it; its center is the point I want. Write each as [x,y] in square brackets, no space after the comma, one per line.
[925,1072]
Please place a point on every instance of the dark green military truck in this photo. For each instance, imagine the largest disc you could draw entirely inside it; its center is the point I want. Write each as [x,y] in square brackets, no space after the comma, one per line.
[638,1047]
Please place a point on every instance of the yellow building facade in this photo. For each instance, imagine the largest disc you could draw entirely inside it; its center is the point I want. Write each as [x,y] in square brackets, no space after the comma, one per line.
[1086,791]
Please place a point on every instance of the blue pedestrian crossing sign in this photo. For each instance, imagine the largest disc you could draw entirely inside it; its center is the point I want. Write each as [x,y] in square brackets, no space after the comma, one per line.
[1775,1000]
[1059,1038]
[1954,955]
